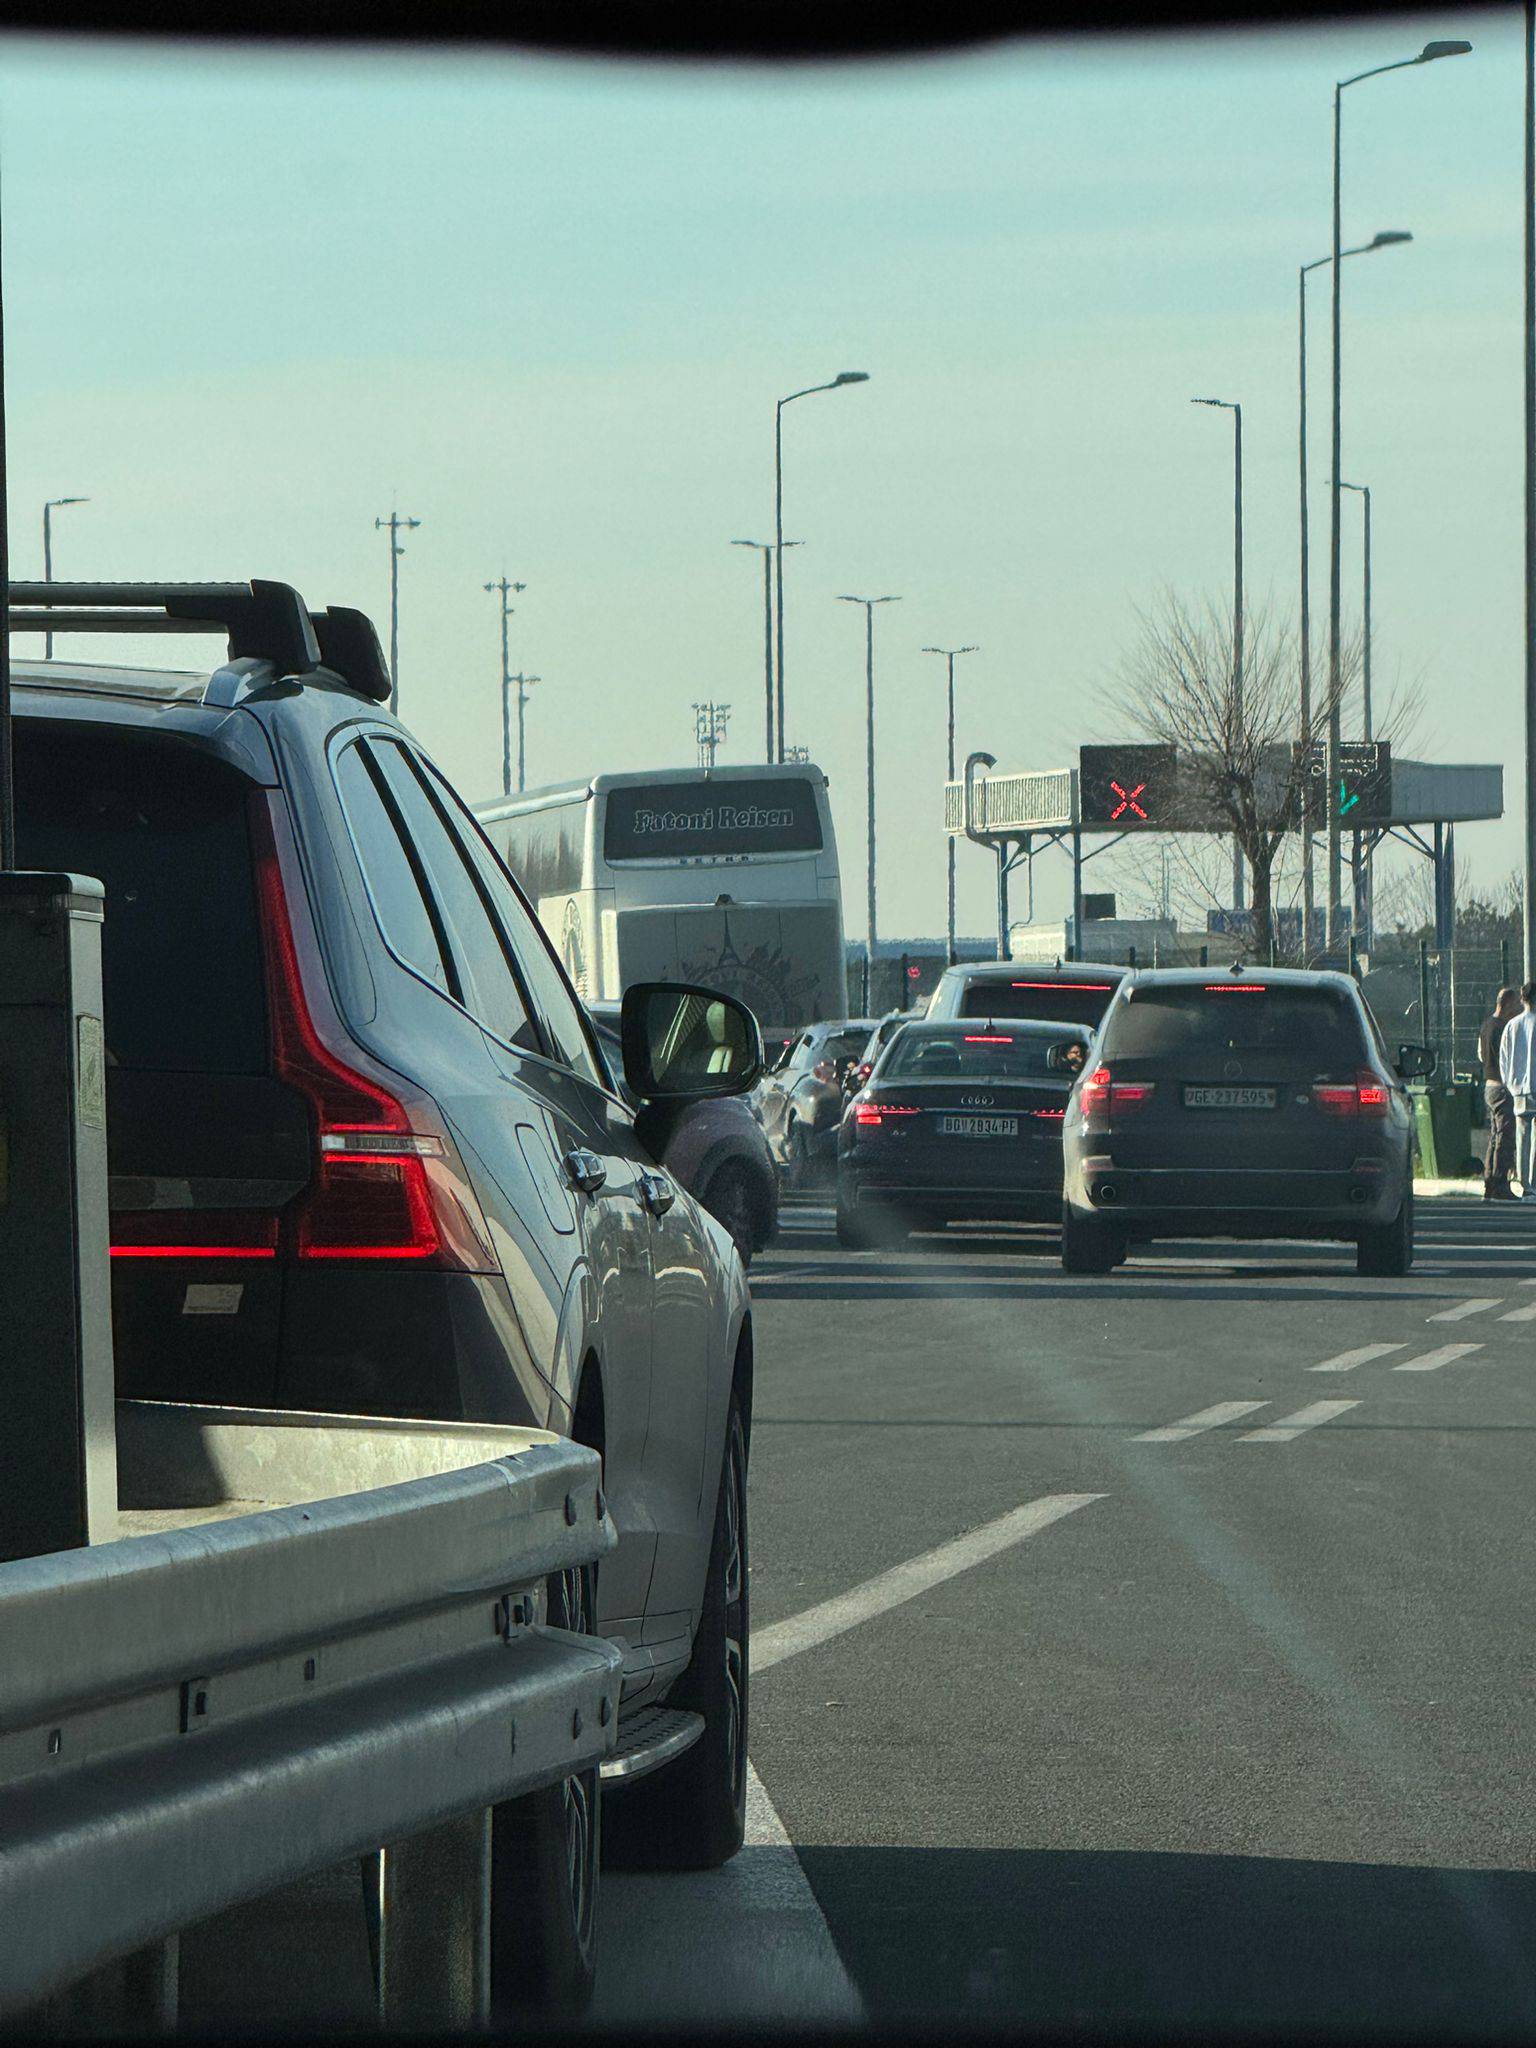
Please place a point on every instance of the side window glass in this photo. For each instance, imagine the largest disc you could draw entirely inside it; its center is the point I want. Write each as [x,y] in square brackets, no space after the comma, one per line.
[398,901]
[490,990]
[541,968]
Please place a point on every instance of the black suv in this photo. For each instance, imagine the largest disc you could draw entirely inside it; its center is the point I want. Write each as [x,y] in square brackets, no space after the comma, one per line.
[366,1153]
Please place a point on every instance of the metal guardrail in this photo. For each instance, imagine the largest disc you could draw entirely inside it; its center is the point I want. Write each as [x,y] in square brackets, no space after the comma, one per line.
[259,1681]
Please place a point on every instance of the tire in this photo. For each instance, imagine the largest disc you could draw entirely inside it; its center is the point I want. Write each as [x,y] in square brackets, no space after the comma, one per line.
[1088,1243]
[546,1853]
[1385,1250]
[729,1199]
[691,1815]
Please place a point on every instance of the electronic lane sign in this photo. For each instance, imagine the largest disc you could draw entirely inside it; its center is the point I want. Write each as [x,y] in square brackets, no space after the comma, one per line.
[1365,782]
[1134,788]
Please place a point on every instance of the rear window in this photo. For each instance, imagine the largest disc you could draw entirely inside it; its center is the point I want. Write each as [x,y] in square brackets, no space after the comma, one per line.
[1313,1025]
[844,1045]
[974,1056]
[163,828]
[1066,1002]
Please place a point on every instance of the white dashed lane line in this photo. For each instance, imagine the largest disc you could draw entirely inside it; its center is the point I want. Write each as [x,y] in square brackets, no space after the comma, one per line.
[1431,1361]
[1194,1425]
[1463,1309]
[1348,1360]
[1521,1315]
[1290,1426]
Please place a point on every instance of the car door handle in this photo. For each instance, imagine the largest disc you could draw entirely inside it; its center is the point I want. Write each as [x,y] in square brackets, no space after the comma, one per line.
[584,1170]
[657,1193]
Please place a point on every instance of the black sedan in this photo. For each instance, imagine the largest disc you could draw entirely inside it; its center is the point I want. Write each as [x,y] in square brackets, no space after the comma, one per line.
[1262,1102]
[958,1120]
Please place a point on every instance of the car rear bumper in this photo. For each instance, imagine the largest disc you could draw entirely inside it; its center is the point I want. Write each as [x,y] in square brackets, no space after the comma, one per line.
[1228,1202]
[1023,1201]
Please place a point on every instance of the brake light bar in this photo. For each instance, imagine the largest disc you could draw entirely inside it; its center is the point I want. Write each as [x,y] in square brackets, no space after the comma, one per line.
[989,1038]
[1235,988]
[1103,988]
[194,1234]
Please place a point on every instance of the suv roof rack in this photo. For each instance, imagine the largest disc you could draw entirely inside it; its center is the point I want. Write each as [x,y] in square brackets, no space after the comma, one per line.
[262,621]
[349,648]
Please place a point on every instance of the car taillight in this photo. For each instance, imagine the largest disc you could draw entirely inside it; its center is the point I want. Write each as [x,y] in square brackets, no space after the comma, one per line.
[867,1113]
[1104,1098]
[862,1072]
[388,1182]
[1364,1096]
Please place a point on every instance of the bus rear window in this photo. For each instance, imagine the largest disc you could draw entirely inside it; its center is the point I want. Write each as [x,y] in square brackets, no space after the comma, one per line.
[1054,1002]
[678,820]
[163,828]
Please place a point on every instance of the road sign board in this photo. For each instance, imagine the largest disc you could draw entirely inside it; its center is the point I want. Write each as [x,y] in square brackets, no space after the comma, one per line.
[1133,788]
[1365,781]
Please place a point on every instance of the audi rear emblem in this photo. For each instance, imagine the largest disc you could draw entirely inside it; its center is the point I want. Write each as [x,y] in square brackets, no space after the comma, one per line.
[1232,1069]
[977,1101]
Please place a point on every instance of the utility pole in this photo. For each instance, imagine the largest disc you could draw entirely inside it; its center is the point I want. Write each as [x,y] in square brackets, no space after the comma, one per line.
[709,724]
[1530,490]
[506,680]
[393,525]
[869,604]
[523,683]
[949,654]
[766,547]
[1238,722]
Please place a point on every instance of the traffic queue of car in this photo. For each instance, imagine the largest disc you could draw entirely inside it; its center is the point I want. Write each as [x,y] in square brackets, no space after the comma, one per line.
[1130,1107]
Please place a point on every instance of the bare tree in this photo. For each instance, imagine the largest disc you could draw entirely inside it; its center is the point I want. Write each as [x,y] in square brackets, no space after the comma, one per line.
[1239,765]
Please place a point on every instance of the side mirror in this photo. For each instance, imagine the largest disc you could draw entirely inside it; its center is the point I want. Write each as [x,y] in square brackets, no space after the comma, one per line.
[687,1044]
[1416,1062]
[1067,1056]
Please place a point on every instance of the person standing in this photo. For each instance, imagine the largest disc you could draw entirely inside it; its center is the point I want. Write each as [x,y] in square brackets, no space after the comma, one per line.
[1499,1161]
[1517,1070]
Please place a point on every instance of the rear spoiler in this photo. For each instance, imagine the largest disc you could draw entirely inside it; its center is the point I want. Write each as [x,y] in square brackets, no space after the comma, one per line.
[261,621]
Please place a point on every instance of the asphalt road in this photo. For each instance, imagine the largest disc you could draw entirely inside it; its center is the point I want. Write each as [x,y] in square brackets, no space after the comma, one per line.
[1231,1728]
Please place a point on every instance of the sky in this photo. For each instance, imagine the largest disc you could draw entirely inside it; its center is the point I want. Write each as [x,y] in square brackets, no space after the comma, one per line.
[254,301]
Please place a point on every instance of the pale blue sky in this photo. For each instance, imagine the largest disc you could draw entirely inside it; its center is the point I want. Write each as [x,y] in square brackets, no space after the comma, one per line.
[551,303]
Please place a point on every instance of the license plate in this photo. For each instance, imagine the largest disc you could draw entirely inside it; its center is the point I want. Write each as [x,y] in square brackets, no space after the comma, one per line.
[1229,1098]
[978,1126]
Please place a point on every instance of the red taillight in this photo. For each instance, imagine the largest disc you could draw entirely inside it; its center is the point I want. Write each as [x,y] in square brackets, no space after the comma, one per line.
[388,1183]
[1234,988]
[194,1234]
[867,1113]
[1104,1098]
[1053,1116]
[989,1038]
[1364,1096]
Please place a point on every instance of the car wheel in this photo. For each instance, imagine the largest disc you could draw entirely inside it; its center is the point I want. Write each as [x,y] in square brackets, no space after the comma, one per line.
[691,1815]
[545,1858]
[1088,1243]
[728,1198]
[1385,1250]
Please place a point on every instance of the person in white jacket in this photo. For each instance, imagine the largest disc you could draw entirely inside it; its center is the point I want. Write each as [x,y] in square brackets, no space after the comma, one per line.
[1517,1070]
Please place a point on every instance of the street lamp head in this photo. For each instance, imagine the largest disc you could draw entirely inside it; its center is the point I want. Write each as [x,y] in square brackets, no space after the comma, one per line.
[856,376]
[1388,237]
[69,501]
[1226,404]
[1431,51]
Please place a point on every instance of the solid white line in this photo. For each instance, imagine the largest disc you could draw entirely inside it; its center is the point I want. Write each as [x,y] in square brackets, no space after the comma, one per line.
[1431,1361]
[1348,1360]
[1192,1425]
[905,1582]
[771,1956]
[1289,1426]
[1521,1315]
[1463,1309]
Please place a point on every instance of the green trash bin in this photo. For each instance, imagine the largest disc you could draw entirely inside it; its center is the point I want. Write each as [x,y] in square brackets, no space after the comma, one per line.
[1442,1133]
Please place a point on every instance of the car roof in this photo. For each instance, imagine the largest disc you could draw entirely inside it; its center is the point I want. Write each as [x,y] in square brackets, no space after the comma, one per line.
[1012,970]
[1265,977]
[1026,1027]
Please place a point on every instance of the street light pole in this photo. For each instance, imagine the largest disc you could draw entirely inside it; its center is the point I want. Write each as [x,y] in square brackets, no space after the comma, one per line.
[949,654]
[766,549]
[1238,728]
[1386,239]
[523,683]
[842,377]
[869,604]
[506,677]
[1428,55]
[49,507]
[393,524]
[1530,490]
[1362,871]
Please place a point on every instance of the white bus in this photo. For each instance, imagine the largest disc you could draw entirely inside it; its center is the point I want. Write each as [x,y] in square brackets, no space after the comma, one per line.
[725,876]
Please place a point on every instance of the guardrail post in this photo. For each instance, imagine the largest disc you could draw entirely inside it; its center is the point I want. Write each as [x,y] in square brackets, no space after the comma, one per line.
[429,1925]
[58,1458]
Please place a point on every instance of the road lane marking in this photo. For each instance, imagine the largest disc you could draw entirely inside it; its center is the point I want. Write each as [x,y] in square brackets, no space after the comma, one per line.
[906,1581]
[1192,1425]
[1521,1315]
[1348,1360]
[1431,1361]
[1289,1426]
[771,1954]
[1463,1309]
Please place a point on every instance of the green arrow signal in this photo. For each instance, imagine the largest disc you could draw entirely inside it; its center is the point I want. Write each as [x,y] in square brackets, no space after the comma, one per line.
[1346,803]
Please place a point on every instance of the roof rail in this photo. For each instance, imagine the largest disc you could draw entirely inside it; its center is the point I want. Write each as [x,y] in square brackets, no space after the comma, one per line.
[349,647]
[268,621]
